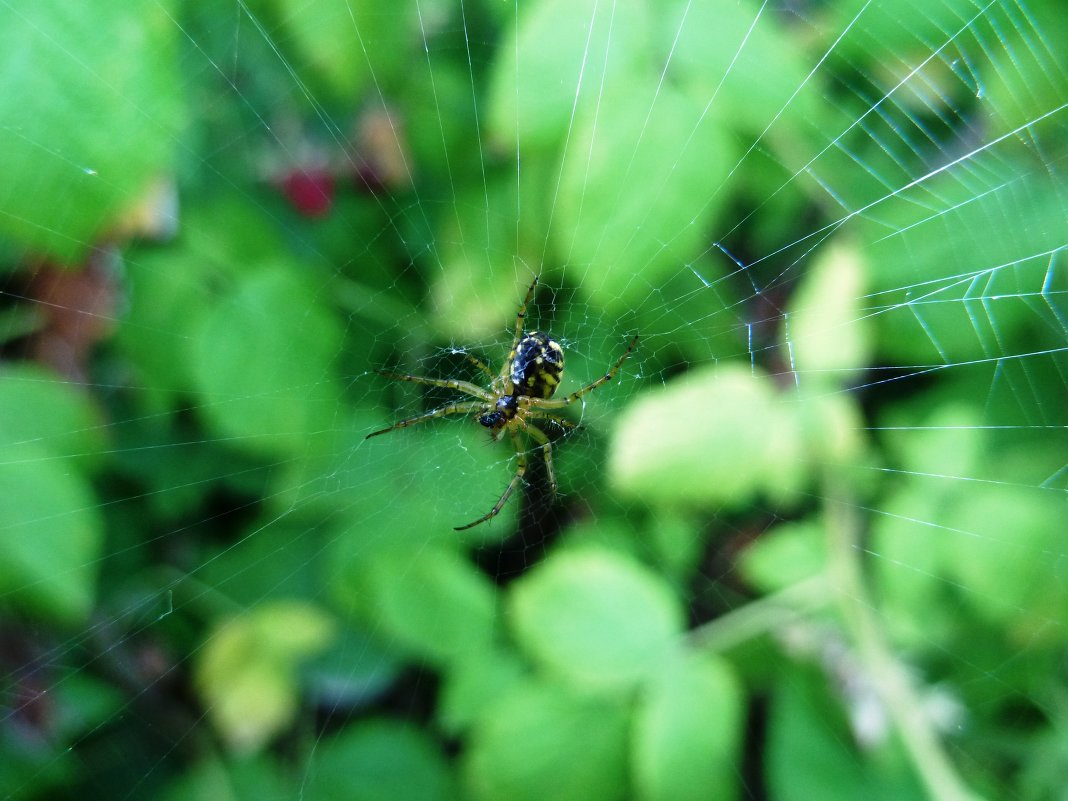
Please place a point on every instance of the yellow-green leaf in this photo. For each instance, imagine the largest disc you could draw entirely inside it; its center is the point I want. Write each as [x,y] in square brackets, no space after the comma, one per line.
[715,436]
[246,672]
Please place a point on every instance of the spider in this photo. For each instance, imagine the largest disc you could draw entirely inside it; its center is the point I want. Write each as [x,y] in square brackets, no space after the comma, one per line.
[521,392]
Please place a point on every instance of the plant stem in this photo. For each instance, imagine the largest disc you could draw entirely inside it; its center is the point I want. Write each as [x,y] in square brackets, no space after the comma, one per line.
[899,697]
[762,616]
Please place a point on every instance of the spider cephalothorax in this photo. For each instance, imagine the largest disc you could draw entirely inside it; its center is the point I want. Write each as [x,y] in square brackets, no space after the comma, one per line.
[503,412]
[521,392]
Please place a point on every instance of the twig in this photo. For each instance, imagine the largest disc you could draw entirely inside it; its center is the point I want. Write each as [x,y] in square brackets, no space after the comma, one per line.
[889,679]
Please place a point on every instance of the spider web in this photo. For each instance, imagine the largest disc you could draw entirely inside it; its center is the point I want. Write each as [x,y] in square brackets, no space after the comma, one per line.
[838,450]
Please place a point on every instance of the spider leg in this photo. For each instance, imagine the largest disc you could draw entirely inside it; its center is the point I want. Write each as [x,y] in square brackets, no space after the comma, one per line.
[547,451]
[455,408]
[502,379]
[521,468]
[533,414]
[481,365]
[449,383]
[560,403]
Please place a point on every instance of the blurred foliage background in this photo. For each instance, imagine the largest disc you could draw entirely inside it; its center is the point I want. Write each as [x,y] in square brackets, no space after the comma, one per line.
[811,544]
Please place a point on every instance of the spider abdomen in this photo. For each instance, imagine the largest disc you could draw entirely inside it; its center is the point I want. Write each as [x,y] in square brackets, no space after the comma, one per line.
[537,366]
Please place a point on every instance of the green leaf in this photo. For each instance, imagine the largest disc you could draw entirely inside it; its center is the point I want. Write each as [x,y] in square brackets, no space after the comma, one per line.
[999,539]
[85,703]
[17,322]
[595,618]
[475,683]
[564,48]
[949,441]
[827,334]
[172,289]
[50,534]
[687,733]
[280,557]
[676,544]
[444,474]
[91,112]
[785,555]
[246,672]
[378,760]
[1023,81]
[26,772]
[478,289]
[432,601]
[832,427]
[715,436]
[875,32]
[705,291]
[955,265]
[544,743]
[641,182]
[168,297]
[247,779]
[357,660]
[908,537]
[350,45]
[38,407]
[987,536]
[909,570]
[441,119]
[740,60]
[262,359]
[808,756]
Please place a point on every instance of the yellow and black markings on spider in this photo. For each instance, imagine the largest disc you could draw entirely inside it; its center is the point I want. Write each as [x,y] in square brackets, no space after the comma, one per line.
[523,391]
